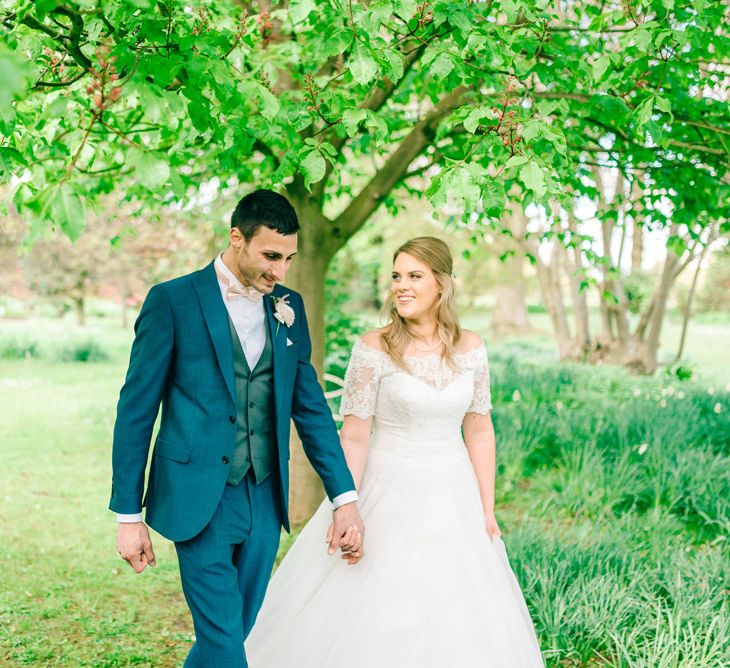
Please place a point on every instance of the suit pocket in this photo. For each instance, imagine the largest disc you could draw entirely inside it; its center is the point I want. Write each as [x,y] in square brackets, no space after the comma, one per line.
[175,451]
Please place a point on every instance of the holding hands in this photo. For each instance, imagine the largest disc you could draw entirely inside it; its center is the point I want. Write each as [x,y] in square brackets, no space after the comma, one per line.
[346,532]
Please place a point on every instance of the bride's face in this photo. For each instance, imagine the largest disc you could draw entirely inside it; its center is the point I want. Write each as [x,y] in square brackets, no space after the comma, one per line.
[414,288]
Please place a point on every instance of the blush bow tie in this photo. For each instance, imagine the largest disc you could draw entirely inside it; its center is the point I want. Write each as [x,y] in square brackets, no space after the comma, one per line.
[243,291]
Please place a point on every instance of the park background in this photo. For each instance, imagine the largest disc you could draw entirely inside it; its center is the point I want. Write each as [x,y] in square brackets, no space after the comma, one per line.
[574,156]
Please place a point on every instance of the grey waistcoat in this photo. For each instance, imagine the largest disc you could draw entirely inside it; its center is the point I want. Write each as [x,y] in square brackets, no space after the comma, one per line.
[255,444]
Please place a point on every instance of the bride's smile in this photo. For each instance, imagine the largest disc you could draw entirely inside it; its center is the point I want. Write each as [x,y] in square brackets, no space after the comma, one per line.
[414,288]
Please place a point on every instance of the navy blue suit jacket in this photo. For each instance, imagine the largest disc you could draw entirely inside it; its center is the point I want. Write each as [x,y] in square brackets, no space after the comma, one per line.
[182,359]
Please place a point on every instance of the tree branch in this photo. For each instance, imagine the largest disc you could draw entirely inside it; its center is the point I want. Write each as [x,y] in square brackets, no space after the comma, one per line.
[71,42]
[370,197]
[377,99]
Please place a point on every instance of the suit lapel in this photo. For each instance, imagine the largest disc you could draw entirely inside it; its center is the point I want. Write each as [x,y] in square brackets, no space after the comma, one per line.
[216,319]
[277,331]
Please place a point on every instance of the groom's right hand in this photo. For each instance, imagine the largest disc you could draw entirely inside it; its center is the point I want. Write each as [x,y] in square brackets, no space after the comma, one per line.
[134,545]
[347,533]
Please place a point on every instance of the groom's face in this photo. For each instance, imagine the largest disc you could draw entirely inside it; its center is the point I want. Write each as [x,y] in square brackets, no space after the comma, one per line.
[263,261]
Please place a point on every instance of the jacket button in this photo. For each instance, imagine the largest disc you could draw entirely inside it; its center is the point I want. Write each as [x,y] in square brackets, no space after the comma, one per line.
[250,433]
[231,418]
[251,404]
[224,459]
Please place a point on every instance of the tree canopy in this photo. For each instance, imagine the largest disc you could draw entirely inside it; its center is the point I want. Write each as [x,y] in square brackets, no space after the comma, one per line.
[349,100]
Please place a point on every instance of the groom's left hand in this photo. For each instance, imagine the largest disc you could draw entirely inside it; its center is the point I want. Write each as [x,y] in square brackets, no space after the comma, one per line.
[347,533]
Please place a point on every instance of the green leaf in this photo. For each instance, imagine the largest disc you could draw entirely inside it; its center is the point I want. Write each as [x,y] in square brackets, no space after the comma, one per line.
[15,74]
[362,65]
[286,169]
[643,112]
[516,161]
[152,173]
[9,161]
[378,124]
[199,115]
[442,66]
[269,102]
[328,149]
[533,128]
[68,211]
[600,66]
[313,168]
[510,8]
[459,185]
[609,296]
[611,106]
[663,104]
[493,197]
[351,119]
[642,39]
[395,65]
[300,10]
[405,8]
[472,121]
[533,177]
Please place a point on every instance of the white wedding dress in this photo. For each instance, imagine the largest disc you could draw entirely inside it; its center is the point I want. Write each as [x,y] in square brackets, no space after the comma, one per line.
[433,590]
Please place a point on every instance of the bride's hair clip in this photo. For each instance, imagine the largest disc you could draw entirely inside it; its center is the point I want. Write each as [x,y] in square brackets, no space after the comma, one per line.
[453,274]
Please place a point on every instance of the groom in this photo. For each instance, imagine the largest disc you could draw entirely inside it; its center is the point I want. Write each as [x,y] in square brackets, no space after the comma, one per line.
[225,351]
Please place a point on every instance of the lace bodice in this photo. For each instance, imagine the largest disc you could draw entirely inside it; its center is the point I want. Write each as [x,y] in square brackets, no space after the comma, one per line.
[427,404]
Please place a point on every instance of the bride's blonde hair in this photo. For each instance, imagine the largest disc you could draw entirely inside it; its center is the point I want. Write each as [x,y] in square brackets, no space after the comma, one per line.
[395,337]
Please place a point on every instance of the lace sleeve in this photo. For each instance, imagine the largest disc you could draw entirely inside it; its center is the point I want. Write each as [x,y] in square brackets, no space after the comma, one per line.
[482,400]
[361,382]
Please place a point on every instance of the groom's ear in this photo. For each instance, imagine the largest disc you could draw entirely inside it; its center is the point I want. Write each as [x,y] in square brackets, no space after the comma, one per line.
[236,238]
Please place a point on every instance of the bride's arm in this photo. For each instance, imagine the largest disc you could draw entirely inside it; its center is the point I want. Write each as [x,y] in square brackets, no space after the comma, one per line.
[480,443]
[355,439]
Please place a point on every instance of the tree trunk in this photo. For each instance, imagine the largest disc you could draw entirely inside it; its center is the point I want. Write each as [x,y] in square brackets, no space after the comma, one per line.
[79,308]
[307,276]
[607,330]
[510,310]
[621,308]
[577,274]
[549,277]
[690,297]
[124,295]
[637,238]
[648,357]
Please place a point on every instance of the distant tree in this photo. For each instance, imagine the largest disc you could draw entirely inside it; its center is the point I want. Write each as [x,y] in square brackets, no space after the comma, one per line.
[714,295]
[563,251]
[113,253]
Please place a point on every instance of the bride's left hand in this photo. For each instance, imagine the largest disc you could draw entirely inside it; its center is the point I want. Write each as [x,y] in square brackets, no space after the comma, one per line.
[492,526]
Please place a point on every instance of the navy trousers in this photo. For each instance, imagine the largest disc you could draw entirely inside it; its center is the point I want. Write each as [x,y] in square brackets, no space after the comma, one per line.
[225,570]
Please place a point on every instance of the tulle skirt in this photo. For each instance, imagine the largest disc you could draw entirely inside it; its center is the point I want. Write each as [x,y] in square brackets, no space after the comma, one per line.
[433,590]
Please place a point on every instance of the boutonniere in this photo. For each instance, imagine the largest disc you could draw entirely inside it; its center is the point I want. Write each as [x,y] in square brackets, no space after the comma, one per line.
[282,312]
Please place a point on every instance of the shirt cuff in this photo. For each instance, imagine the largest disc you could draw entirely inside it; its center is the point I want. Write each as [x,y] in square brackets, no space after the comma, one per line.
[342,499]
[129,518]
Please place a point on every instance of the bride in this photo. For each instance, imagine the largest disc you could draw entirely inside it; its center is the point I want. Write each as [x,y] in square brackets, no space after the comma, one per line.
[435,588]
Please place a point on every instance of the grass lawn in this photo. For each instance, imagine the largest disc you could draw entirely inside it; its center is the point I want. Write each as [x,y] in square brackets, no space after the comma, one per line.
[612,493]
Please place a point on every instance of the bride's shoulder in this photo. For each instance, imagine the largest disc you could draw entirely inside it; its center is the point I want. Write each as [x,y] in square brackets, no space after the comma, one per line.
[468,342]
[372,340]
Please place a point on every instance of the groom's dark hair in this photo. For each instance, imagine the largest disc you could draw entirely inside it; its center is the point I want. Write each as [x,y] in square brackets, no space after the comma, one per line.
[264,208]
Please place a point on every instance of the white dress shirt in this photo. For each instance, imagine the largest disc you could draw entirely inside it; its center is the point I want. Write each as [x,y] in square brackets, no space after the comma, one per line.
[249,320]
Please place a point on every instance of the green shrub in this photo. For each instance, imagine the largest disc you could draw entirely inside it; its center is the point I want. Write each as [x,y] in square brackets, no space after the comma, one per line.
[17,349]
[84,351]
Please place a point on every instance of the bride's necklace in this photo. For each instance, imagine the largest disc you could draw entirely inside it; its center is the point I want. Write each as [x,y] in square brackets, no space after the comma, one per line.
[426,350]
